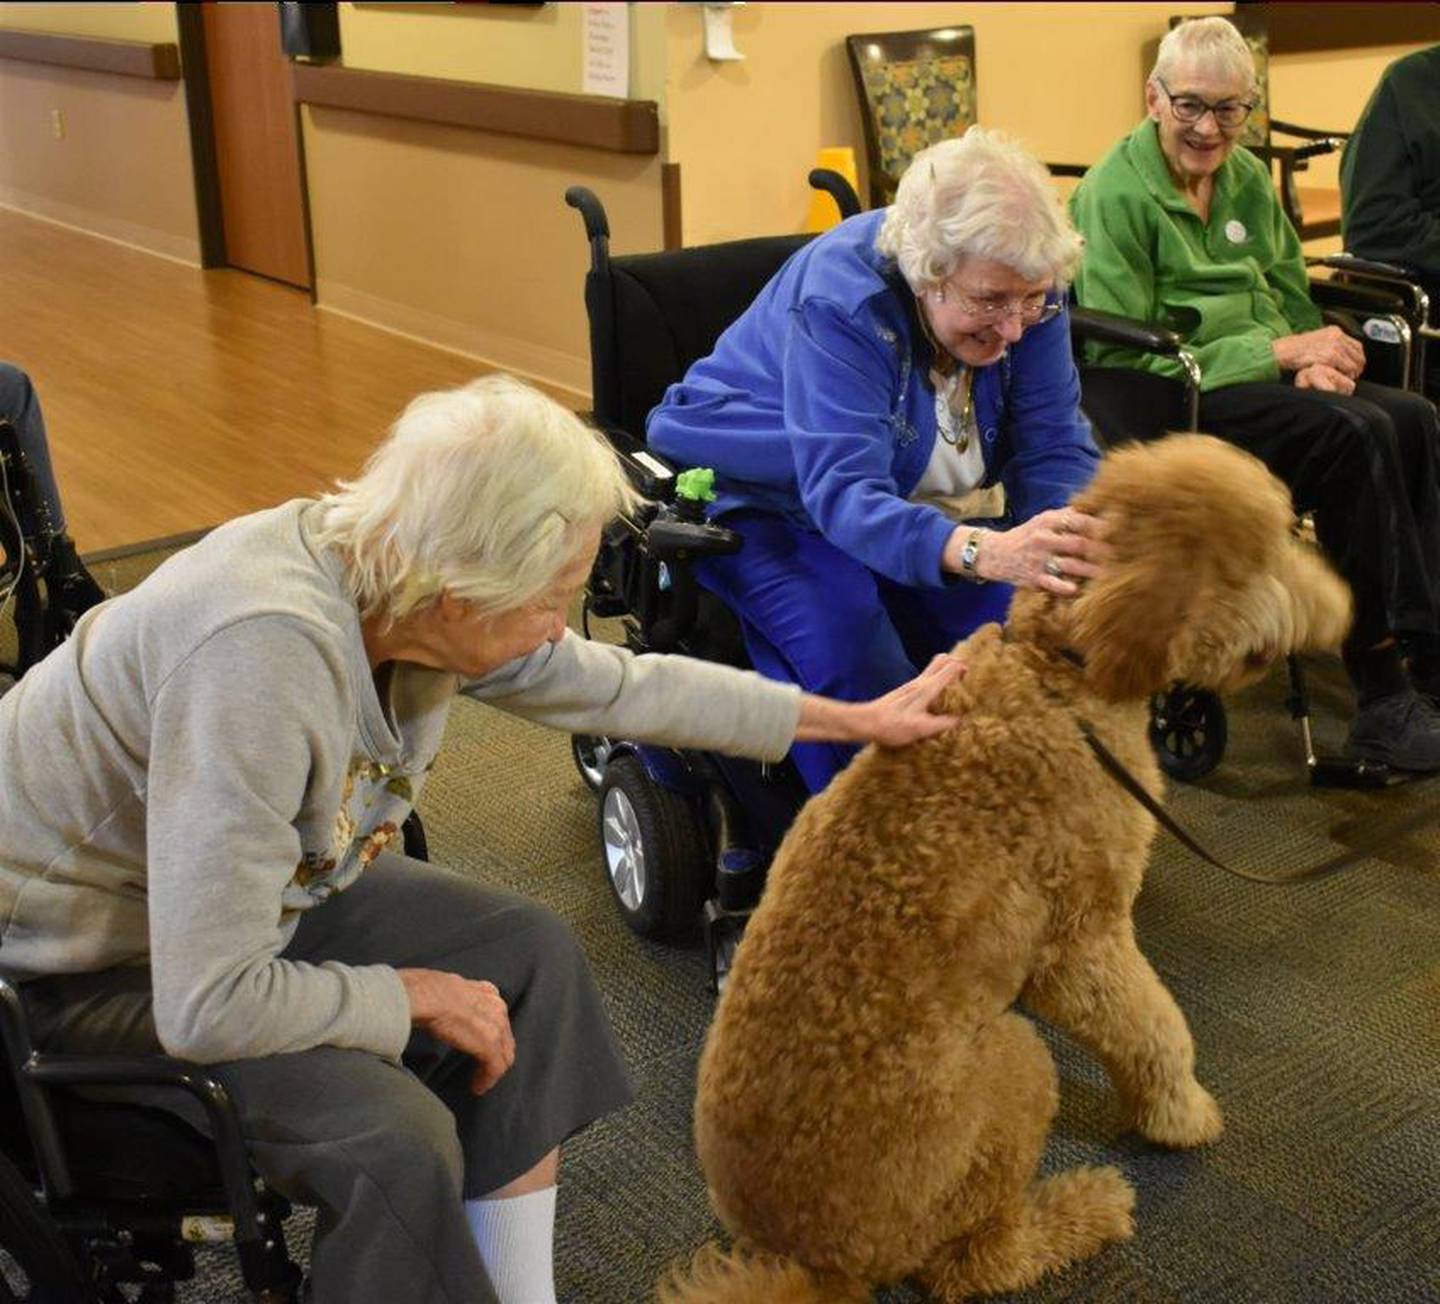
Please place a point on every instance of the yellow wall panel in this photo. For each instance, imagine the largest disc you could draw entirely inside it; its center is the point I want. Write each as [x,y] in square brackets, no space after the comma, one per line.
[151,20]
[502,45]
[463,237]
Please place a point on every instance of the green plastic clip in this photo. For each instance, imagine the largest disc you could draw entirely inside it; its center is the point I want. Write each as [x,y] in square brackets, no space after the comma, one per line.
[696,484]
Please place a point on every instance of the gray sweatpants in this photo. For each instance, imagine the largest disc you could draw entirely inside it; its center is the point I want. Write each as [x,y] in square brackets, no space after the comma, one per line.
[388,1154]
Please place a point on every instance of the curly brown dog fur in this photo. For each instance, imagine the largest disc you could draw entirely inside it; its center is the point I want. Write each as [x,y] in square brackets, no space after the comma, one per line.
[871,1107]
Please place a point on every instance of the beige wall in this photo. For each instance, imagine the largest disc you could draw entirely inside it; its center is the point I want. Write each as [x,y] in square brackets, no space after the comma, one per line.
[122,167]
[150,21]
[1329,90]
[1065,78]
[506,46]
[463,237]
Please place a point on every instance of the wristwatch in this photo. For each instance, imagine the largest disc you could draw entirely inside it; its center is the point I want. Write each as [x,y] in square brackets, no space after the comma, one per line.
[970,554]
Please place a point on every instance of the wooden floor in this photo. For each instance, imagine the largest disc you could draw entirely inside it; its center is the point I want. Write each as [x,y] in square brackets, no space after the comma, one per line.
[176,399]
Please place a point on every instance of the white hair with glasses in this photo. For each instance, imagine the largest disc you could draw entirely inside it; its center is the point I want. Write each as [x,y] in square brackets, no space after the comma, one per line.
[483,492]
[982,195]
[1212,47]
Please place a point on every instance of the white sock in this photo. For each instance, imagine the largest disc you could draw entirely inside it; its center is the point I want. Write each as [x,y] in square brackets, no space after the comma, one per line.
[516,1237]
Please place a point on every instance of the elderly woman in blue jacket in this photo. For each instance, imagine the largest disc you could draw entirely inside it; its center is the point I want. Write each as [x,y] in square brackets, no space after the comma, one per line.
[893,371]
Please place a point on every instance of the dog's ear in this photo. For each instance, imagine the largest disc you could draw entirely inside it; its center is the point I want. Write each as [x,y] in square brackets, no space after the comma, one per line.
[1124,625]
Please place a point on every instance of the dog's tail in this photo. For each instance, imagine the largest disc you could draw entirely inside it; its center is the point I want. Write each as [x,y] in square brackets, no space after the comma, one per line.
[716,1276]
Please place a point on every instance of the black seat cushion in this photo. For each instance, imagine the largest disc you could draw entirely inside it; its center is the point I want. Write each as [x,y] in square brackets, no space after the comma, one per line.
[127,1152]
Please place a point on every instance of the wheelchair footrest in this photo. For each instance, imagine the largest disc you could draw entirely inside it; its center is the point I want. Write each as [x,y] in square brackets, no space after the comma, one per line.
[723,930]
[1353,772]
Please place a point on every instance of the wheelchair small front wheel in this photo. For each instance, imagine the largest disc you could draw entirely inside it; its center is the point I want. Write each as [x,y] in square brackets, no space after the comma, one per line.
[655,850]
[1189,730]
[590,752]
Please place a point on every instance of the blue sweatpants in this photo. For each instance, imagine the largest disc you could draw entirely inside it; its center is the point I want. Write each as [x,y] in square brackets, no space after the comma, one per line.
[815,616]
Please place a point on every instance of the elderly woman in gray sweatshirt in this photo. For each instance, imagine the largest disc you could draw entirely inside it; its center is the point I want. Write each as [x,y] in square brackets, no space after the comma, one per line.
[202,787]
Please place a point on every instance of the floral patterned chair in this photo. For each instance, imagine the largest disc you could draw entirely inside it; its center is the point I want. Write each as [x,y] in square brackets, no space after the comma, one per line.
[915,88]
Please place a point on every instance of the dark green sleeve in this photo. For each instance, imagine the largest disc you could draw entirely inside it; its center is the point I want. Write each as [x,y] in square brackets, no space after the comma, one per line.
[1383,215]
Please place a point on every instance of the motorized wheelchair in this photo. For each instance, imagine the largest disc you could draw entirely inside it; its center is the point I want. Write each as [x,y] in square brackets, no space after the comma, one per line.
[688,834]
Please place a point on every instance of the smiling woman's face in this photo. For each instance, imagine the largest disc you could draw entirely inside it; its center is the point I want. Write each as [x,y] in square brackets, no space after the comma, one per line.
[1194,150]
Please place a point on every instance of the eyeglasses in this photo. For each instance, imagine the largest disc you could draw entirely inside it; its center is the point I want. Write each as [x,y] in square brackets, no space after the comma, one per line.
[1031,309]
[1189,109]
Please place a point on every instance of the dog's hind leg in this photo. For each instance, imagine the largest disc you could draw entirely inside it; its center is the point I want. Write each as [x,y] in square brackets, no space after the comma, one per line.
[1103,991]
[1005,1230]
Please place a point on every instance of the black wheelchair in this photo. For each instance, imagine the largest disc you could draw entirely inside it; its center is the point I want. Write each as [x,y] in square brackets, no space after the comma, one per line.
[31,573]
[689,834]
[103,1201]
[1387,312]
[98,1197]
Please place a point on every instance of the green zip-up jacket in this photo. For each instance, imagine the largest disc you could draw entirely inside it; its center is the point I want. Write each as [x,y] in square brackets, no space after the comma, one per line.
[1390,172]
[1231,286]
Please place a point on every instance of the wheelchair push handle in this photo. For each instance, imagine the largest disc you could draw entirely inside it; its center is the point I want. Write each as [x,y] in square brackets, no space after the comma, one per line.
[838,188]
[597,225]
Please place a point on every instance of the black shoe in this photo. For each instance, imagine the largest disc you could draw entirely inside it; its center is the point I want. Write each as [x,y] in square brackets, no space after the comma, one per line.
[1402,730]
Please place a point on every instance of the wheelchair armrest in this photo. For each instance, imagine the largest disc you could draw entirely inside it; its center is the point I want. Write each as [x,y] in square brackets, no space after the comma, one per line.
[1335,139]
[673,540]
[57,1070]
[1356,298]
[1295,158]
[1111,328]
[1362,267]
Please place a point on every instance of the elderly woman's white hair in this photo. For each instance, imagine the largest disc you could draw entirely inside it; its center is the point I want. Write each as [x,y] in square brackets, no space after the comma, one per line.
[1212,46]
[982,195]
[483,492]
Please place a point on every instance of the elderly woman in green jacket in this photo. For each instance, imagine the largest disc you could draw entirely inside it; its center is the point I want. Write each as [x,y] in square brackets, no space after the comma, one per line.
[1182,226]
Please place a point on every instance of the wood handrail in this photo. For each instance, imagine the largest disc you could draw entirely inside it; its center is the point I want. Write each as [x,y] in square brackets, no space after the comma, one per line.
[624,126]
[155,61]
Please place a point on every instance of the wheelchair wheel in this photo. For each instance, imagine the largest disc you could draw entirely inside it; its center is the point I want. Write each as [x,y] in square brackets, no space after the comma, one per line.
[52,1275]
[656,855]
[1188,730]
[590,752]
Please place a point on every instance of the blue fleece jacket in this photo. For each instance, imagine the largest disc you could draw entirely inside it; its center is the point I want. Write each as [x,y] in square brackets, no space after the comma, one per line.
[817,404]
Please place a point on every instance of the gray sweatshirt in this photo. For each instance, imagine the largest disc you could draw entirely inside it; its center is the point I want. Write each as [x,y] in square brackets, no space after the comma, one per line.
[207,757]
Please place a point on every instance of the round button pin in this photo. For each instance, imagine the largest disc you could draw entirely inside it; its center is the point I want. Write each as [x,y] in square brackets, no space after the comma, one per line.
[1235,231]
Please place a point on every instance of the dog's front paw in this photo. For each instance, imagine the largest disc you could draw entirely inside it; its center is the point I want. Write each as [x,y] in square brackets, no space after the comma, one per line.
[1181,1119]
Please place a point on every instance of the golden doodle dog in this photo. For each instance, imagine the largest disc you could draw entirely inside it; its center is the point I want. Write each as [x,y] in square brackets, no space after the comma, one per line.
[871,1106]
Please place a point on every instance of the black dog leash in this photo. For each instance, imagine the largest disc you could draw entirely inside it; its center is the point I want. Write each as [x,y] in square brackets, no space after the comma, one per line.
[1333,865]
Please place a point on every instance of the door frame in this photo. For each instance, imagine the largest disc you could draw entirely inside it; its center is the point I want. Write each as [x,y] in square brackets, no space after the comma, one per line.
[195,73]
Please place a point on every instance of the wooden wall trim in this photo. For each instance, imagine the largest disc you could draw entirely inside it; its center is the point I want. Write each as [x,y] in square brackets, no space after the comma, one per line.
[624,126]
[1297,28]
[670,212]
[154,61]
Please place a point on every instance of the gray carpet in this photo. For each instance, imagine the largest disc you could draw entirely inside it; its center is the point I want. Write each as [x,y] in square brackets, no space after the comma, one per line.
[1316,1011]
